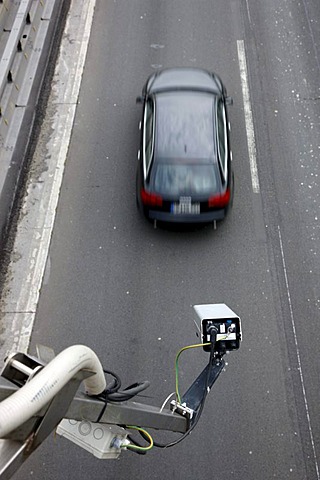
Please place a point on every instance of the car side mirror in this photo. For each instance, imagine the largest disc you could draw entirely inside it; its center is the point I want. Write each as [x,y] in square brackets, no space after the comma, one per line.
[229,100]
[139,100]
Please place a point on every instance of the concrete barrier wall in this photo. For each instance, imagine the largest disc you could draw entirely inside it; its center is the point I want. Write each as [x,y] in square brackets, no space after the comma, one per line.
[27,31]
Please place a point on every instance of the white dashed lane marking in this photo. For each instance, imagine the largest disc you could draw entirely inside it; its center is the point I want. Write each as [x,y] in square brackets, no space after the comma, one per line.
[248,116]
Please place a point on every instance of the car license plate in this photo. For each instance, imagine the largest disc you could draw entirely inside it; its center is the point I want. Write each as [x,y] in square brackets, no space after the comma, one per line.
[185,207]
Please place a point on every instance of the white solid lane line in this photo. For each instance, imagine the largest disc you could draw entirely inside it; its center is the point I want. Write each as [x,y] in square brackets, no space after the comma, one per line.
[248,116]
[293,325]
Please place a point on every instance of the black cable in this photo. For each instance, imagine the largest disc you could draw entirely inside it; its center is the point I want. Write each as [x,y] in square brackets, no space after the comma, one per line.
[123,395]
[115,384]
[102,412]
[129,392]
[112,386]
[114,394]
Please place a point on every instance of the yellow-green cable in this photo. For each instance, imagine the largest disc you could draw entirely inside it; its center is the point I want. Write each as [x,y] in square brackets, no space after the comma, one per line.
[176,365]
[136,447]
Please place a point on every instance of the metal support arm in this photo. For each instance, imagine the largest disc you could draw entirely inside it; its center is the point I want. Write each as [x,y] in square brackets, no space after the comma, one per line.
[57,398]
[35,398]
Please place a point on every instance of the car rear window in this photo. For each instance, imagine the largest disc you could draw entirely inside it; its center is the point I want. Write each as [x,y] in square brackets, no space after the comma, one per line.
[179,179]
[184,125]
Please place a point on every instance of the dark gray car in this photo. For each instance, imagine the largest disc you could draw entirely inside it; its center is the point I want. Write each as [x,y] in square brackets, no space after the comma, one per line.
[184,172]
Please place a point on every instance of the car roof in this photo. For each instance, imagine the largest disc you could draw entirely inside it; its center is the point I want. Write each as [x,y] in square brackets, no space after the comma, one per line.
[184,78]
[184,126]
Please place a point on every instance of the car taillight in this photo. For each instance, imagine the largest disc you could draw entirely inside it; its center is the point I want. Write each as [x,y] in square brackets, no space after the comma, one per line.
[150,199]
[219,201]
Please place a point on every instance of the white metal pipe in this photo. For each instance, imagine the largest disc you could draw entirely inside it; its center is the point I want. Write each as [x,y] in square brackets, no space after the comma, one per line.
[21,367]
[34,395]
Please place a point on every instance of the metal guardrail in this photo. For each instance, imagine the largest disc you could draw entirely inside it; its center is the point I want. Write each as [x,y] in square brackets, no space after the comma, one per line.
[13,65]
[26,44]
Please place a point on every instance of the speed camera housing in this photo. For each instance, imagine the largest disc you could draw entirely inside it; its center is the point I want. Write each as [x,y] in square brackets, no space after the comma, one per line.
[219,318]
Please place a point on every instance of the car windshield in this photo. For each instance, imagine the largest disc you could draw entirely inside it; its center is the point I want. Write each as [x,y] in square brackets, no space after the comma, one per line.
[184,125]
[185,179]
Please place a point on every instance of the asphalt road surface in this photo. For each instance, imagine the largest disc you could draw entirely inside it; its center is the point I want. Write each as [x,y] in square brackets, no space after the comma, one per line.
[126,290]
